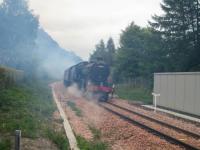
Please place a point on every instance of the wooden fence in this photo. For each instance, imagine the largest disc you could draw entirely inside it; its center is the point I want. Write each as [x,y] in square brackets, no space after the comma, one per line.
[137,83]
[9,76]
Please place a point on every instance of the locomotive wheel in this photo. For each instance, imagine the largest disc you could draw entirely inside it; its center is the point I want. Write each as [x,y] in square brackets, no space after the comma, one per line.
[103,97]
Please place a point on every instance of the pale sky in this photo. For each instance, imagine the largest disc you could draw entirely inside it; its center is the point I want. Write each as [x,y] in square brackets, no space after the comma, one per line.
[77,25]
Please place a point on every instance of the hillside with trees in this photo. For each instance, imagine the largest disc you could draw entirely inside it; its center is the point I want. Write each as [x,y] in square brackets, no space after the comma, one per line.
[25,46]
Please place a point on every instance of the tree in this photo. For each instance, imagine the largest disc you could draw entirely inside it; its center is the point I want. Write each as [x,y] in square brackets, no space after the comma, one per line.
[179,27]
[100,51]
[110,50]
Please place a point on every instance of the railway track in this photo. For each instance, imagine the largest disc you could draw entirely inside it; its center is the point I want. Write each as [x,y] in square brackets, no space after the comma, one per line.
[188,140]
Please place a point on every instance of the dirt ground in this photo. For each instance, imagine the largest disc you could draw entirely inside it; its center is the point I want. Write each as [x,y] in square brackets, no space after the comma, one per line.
[37,144]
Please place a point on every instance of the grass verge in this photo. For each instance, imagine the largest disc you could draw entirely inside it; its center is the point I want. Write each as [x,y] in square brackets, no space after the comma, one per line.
[136,94]
[28,107]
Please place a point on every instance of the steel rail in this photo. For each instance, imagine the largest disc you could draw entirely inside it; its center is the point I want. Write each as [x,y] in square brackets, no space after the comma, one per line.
[158,133]
[192,134]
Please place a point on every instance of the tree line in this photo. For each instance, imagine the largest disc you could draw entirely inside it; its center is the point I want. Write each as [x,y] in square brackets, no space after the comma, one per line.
[170,43]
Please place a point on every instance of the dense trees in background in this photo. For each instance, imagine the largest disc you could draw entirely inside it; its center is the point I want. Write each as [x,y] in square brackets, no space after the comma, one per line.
[180,29]
[170,44]
[18,31]
[140,53]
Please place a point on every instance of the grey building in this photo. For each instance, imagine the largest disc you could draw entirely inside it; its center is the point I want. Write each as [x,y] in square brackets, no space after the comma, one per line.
[178,91]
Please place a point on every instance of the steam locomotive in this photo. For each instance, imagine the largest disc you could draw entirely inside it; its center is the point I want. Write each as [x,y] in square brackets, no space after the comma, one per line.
[90,77]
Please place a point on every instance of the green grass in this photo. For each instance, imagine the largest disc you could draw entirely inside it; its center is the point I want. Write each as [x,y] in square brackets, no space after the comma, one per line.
[96,133]
[136,94]
[25,107]
[91,145]
[95,144]
[58,138]
[28,107]
[73,106]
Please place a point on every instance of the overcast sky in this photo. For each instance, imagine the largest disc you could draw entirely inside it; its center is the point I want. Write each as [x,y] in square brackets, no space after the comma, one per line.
[78,25]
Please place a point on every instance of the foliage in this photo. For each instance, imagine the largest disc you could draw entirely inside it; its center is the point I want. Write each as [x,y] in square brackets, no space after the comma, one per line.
[58,138]
[73,106]
[171,43]
[139,54]
[180,29]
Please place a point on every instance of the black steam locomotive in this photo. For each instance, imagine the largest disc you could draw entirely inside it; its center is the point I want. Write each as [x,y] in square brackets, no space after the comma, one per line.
[90,77]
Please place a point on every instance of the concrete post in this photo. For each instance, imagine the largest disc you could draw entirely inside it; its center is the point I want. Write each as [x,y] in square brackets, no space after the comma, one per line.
[17,139]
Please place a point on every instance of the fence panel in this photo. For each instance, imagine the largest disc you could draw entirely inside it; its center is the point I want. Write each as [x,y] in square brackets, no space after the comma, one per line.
[9,76]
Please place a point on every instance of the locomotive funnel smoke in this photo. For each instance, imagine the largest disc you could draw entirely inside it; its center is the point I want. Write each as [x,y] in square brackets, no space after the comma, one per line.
[74,91]
[52,59]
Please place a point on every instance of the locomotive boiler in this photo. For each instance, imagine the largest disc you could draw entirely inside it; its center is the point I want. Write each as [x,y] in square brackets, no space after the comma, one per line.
[90,77]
